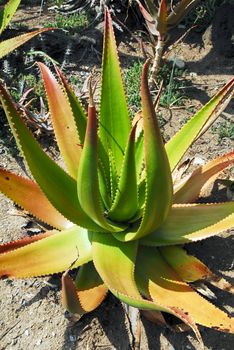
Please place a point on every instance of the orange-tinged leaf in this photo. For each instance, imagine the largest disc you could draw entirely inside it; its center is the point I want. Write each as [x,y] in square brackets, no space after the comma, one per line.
[70,299]
[184,138]
[28,195]
[189,268]
[9,45]
[49,255]
[189,189]
[91,290]
[63,121]
[7,247]
[86,293]
[79,114]
[192,222]
[166,287]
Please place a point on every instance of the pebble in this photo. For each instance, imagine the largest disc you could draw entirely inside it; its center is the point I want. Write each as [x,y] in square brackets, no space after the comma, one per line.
[26,332]
[39,341]
[193,75]
[72,338]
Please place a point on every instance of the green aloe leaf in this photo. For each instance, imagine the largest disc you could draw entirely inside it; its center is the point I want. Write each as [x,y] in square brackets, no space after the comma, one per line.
[115,263]
[9,45]
[158,193]
[7,13]
[58,186]
[126,203]
[114,121]
[88,186]
[192,222]
[50,255]
[184,138]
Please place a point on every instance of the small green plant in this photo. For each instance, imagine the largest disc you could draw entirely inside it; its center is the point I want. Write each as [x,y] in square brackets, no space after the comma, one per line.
[72,22]
[172,92]
[116,212]
[225,129]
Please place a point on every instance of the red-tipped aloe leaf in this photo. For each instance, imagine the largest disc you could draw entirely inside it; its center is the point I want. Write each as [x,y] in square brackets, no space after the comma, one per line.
[126,203]
[114,122]
[28,195]
[7,13]
[58,186]
[189,189]
[184,138]
[158,192]
[80,118]
[63,120]
[180,10]
[166,287]
[87,183]
[79,114]
[149,19]
[49,255]
[162,19]
[7,247]
[9,45]
[192,222]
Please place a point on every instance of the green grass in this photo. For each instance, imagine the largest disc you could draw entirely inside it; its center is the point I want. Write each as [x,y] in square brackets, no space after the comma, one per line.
[172,94]
[71,22]
[225,129]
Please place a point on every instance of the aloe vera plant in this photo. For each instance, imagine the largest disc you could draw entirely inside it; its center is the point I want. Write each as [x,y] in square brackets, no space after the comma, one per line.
[115,212]
[159,21]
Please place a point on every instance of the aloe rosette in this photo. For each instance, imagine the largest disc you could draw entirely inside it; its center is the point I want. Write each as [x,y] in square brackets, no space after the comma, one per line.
[115,211]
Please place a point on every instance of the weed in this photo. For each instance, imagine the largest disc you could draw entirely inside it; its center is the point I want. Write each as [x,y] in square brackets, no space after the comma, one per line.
[71,22]
[224,129]
[172,94]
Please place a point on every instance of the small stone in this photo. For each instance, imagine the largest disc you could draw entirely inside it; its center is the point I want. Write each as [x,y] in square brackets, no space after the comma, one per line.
[72,338]
[199,161]
[39,341]
[26,332]
[193,75]
[53,334]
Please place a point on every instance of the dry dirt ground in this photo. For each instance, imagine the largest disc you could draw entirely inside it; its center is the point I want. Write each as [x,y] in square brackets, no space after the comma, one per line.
[31,313]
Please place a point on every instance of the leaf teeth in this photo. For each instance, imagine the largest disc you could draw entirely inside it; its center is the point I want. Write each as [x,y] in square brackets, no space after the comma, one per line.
[11,246]
[54,219]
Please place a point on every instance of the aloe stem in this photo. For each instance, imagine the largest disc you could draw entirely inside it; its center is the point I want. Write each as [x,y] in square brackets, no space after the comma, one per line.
[156,62]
